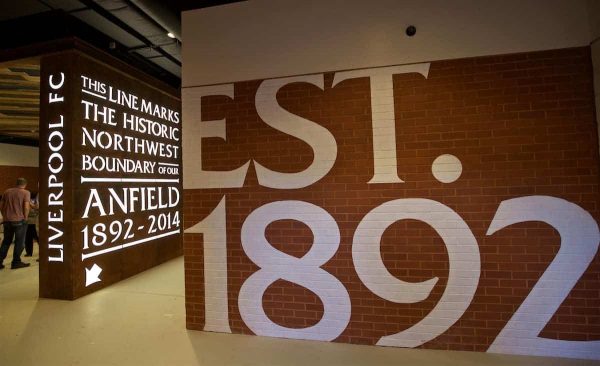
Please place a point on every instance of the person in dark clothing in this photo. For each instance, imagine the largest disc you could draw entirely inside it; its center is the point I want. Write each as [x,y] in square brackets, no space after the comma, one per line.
[31,225]
[14,206]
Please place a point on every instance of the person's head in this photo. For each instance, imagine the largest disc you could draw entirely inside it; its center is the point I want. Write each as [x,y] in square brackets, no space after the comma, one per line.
[21,182]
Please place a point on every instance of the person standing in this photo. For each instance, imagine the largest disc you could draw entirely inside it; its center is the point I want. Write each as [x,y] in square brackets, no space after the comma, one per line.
[31,225]
[14,206]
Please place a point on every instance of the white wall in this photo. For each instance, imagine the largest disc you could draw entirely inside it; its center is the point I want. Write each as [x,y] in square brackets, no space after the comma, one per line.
[16,155]
[259,39]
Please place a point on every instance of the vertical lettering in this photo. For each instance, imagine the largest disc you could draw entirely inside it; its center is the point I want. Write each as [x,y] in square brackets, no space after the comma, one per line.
[55,164]
[54,97]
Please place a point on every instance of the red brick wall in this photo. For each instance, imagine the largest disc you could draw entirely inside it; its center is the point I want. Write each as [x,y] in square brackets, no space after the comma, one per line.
[521,125]
[9,175]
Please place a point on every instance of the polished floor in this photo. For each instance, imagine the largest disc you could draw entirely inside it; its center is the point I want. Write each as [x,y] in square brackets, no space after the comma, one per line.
[141,321]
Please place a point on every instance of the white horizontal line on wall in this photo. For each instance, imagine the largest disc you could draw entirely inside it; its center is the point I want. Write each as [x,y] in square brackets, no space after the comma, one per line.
[133,243]
[127,180]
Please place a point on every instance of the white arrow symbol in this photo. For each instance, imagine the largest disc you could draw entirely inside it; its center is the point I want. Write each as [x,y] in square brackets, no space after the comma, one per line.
[92,275]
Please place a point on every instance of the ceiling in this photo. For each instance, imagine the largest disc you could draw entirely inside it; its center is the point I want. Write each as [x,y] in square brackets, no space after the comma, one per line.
[134,31]
[19,99]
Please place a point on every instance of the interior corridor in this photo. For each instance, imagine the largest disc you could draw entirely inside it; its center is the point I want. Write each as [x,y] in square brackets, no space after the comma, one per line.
[141,321]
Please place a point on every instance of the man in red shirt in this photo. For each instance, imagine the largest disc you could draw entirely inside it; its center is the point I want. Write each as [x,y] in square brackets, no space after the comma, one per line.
[14,206]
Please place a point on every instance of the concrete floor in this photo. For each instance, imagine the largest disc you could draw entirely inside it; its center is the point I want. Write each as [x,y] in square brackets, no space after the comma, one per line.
[141,321]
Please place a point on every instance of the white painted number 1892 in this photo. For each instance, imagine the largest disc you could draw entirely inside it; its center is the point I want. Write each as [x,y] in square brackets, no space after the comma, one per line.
[579,244]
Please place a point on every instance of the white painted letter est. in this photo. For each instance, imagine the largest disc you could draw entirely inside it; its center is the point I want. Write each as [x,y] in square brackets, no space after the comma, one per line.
[383,116]
[318,137]
[194,130]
